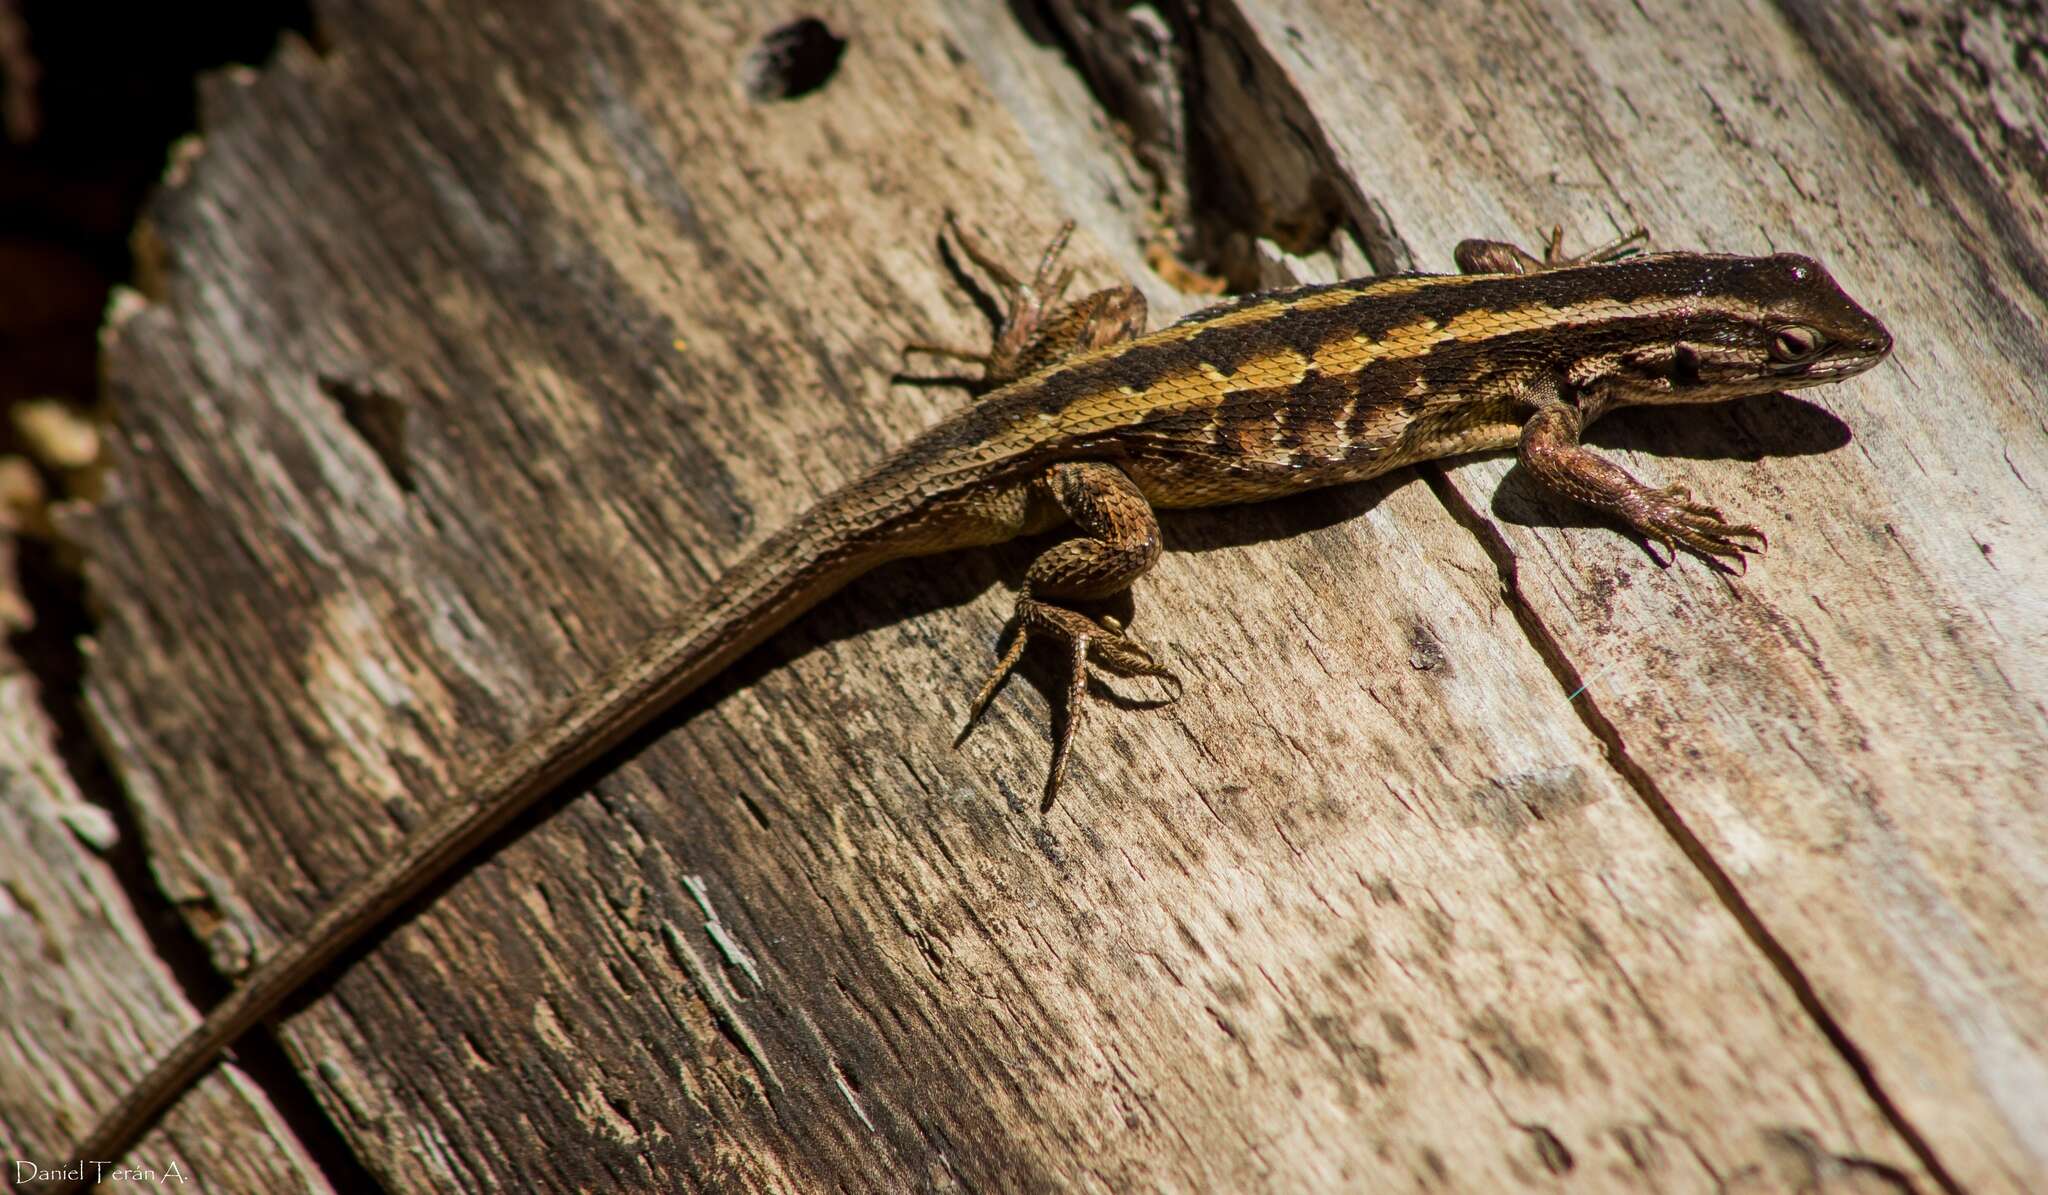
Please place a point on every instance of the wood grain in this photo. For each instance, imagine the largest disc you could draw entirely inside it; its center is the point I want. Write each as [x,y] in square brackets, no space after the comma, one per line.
[1852,733]
[1481,852]
[84,992]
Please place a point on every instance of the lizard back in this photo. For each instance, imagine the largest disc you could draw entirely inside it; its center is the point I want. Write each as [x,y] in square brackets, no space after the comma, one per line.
[1320,385]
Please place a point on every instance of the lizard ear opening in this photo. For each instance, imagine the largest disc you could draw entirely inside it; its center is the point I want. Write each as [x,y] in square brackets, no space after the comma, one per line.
[1685,364]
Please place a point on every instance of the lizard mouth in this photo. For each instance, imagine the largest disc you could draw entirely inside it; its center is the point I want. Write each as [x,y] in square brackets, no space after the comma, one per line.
[1843,361]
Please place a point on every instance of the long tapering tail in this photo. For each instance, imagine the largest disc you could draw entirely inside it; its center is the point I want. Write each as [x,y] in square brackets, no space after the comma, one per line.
[779,580]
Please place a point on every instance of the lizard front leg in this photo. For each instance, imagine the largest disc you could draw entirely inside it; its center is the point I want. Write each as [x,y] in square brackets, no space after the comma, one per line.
[1119,541]
[1550,450]
[1550,447]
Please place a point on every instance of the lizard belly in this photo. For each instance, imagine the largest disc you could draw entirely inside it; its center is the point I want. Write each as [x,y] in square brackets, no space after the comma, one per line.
[1187,473]
[1170,483]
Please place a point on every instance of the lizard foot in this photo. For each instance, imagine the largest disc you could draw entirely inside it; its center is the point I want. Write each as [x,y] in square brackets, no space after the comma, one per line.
[1103,641]
[1035,329]
[1500,257]
[1025,304]
[1670,517]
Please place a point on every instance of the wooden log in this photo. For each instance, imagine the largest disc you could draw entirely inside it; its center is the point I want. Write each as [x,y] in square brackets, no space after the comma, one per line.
[85,995]
[1481,852]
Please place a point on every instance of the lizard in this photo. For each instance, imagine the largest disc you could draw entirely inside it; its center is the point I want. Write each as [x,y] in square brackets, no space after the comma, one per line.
[1089,419]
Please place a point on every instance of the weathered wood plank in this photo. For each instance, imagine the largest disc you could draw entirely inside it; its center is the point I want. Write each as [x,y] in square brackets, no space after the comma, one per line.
[1854,731]
[1374,903]
[84,993]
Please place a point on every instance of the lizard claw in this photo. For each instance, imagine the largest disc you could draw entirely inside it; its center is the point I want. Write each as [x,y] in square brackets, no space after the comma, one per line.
[1124,654]
[1035,327]
[1114,651]
[1622,246]
[1006,665]
[1102,641]
[1500,257]
[1672,518]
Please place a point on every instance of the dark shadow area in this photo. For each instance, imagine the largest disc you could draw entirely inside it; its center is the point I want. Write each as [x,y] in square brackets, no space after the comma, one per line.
[792,60]
[91,100]
[1746,430]
[1208,529]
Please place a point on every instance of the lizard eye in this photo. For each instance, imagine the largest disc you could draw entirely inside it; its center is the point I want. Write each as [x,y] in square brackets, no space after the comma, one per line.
[1794,343]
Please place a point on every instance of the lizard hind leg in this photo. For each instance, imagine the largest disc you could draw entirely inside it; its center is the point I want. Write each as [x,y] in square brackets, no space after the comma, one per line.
[1500,257]
[1035,329]
[1119,542]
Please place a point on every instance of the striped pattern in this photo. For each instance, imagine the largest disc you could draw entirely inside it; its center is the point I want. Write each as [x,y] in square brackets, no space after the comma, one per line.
[1284,391]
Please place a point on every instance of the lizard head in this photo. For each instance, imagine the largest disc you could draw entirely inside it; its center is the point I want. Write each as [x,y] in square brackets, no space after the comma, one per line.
[1749,325]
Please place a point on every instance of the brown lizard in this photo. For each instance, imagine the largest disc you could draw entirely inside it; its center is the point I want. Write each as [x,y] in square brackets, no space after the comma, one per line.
[1092,421]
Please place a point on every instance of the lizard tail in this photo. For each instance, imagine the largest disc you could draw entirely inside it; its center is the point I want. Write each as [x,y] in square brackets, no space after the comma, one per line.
[785,576]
